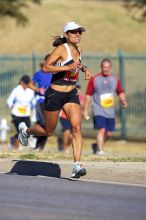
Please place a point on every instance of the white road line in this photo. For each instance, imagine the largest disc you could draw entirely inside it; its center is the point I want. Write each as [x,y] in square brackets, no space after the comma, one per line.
[115,183]
[96,181]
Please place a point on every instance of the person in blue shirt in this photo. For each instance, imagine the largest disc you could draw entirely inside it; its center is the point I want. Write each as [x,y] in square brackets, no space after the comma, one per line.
[40,82]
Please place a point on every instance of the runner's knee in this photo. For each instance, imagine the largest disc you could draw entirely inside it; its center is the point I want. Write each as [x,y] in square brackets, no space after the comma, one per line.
[102,131]
[50,133]
[76,129]
[109,134]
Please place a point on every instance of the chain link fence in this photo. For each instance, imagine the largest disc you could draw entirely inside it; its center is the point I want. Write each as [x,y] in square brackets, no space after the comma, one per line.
[131,69]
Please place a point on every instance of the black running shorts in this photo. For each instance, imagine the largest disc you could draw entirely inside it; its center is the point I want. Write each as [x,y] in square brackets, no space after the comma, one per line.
[55,100]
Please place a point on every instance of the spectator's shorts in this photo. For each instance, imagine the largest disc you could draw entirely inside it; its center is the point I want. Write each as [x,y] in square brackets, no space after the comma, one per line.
[40,117]
[102,122]
[65,124]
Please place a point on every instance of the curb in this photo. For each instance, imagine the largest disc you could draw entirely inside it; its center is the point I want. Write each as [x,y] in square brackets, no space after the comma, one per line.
[121,172]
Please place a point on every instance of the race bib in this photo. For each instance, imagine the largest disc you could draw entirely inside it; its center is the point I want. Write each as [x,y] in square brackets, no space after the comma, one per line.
[107,100]
[22,110]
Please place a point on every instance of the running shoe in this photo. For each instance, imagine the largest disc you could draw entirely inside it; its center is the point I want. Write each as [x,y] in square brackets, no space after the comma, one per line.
[78,171]
[100,153]
[23,136]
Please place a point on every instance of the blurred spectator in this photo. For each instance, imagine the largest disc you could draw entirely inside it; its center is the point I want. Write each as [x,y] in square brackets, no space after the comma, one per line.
[103,87]
[20,101]
[40,82]
[3,130]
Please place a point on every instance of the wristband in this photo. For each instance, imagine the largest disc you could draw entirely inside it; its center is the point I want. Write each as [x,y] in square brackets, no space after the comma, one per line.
[82,69]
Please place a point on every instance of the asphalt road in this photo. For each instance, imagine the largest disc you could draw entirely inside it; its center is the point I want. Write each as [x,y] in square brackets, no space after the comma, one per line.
[47,198]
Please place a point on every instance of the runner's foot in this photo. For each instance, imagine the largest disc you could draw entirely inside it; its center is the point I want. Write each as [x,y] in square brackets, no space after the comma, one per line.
[23,136]
[78,170]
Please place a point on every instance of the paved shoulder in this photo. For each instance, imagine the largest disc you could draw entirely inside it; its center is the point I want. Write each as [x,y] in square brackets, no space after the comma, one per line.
[122,172]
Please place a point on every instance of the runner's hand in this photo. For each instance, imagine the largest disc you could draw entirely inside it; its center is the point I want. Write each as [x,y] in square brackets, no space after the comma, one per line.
[42,91]
[124,104]
[85,115]
[73,66]
[88,75]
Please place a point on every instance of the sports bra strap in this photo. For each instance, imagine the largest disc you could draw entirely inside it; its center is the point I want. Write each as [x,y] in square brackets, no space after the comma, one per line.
[68,51]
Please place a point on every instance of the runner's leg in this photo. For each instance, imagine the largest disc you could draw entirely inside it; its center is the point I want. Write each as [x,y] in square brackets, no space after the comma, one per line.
[73,112]
[51,119]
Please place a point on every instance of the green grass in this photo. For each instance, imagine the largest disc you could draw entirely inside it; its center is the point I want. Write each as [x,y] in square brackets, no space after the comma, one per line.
[116,151]
[60,157]
[29,156]
[109,27]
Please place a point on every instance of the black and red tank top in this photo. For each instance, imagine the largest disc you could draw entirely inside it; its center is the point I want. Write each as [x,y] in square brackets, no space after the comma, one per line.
[66,77]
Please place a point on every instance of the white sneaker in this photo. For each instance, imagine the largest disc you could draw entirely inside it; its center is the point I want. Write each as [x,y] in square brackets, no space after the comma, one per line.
[78,171]
[23,136]
[100,153]
[32,141]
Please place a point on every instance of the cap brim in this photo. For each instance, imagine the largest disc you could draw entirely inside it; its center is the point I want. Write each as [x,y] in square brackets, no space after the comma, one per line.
[83,29]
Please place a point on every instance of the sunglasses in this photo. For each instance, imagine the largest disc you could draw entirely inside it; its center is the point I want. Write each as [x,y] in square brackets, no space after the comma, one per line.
[75,32]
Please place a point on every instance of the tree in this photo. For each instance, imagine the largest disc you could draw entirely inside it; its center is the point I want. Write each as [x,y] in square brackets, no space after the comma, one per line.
[137,9]
[12,8]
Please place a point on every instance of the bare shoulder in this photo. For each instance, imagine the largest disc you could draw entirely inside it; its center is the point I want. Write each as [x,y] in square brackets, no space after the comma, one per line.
[59,51]
[60,48]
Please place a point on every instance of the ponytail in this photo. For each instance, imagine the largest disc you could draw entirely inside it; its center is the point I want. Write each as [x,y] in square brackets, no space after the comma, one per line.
[58,40]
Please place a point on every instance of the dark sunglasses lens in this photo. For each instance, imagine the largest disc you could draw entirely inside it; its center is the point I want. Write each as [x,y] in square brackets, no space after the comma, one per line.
[80,32]
[75,32]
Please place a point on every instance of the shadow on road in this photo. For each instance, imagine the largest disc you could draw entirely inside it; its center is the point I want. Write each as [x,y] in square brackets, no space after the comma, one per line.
[34,168]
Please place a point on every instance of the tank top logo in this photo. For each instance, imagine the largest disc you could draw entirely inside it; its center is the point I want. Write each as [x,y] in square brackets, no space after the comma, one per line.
[71,76]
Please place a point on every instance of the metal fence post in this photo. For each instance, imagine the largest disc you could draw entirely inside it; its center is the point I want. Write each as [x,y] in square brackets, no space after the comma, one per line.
[122,79]
[33,62]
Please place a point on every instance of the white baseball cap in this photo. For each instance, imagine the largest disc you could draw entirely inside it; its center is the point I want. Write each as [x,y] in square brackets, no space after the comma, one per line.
[73,26]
